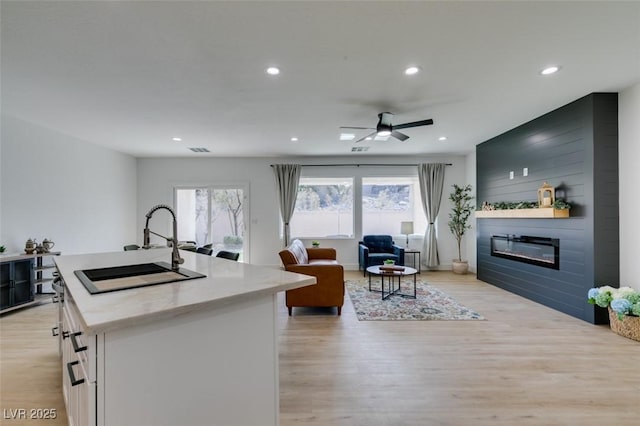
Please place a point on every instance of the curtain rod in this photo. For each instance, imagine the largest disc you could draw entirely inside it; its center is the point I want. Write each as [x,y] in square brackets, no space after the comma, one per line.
[359,165]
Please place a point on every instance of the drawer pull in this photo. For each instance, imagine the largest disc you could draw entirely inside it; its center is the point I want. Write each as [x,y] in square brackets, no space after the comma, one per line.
[65,334]
[74,342]
[54,330]
[72,376]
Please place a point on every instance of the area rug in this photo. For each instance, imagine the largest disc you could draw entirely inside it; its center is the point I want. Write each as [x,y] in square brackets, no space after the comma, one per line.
[430,304]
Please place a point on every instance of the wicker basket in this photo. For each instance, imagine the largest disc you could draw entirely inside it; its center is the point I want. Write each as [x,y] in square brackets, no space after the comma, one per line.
[628,327]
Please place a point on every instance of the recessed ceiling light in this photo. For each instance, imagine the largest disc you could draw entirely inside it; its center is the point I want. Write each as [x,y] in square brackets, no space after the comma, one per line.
[412,70]
[442,138]
[368,138]
[550,70]
[273,71]
[294,139]
[347,136]
[176,139]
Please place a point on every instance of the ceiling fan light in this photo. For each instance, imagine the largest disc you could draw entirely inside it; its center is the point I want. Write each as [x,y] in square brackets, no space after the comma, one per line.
[384,124]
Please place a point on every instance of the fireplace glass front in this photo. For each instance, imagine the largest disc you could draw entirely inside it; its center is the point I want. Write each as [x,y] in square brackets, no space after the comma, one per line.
[539,251]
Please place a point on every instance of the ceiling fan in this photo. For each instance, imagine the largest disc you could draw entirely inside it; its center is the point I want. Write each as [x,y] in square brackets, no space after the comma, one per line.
[386,128]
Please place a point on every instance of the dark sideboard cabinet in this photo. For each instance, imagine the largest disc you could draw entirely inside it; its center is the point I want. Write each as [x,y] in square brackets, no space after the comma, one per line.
[16,283]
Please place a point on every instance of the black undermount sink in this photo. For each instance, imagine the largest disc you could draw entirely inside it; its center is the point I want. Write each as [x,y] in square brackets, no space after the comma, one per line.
[102,280]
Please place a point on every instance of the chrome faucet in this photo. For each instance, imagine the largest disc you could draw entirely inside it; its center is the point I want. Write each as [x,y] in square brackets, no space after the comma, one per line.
[176,260]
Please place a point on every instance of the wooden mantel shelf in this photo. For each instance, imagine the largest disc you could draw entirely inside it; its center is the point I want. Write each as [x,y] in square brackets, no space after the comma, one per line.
[541,213]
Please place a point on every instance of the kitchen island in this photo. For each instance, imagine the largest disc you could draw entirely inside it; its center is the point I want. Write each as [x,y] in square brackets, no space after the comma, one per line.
[196,352]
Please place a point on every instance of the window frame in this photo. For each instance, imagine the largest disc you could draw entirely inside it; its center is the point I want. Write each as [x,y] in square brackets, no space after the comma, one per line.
[416,210]
[335,236]
[244,186]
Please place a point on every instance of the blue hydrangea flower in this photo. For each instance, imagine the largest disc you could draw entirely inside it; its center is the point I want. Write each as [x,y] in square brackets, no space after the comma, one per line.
[621,306]
[593,293]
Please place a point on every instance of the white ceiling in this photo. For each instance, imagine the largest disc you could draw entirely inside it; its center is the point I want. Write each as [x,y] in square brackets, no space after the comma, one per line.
[132,75]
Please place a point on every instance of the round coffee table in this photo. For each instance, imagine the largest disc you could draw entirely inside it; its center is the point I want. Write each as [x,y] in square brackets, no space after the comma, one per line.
[391,275]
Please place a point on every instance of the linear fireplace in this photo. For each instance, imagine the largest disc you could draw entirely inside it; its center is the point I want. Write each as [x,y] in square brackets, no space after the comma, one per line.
[539,251]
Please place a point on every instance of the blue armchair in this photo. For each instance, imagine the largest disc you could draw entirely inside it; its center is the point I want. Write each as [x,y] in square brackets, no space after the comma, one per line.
[375,249]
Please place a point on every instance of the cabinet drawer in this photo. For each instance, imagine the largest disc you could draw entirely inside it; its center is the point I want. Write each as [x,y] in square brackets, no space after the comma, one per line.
[82,347]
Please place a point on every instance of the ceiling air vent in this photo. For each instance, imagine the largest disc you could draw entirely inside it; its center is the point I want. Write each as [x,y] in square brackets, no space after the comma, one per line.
[359,149]
[199,149]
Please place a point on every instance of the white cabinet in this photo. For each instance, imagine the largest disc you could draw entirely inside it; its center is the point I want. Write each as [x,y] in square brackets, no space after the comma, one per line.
[78,368]
[199,368]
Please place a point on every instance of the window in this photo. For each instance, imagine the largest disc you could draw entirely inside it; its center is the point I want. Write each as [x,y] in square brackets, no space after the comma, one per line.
[212,215]
[324,208]
[387,201]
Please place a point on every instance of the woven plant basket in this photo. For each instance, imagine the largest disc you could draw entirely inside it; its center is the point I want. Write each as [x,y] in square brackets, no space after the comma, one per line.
[628,327]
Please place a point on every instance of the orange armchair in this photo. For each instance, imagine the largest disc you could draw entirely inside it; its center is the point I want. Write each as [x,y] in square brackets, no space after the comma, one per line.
[320,263]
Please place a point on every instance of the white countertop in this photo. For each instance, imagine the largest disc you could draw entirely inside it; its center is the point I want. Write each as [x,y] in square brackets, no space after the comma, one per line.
[227,282]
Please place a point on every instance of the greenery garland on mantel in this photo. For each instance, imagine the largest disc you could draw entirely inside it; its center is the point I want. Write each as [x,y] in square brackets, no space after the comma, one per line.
[559,204]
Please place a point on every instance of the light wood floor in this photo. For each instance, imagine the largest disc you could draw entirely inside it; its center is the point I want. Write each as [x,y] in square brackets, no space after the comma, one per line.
[525,365]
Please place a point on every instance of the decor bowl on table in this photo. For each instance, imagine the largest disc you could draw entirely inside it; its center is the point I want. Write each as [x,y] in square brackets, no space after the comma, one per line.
[624,309]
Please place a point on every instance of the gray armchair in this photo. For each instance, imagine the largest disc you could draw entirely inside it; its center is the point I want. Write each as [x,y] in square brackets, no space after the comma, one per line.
[375,249]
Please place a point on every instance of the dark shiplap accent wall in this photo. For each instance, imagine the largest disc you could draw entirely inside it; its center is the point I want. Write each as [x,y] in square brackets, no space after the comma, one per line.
[575,149]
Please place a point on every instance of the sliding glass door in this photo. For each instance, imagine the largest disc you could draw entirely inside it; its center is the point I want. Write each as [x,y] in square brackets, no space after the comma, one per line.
[215,216]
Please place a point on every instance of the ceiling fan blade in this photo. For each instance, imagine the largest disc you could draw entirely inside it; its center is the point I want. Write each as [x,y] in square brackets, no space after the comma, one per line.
[414,124]
[357,128]
[370,135]
[400,136]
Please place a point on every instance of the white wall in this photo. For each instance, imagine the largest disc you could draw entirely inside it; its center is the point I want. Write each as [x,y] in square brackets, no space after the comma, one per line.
[157,177]
[81,196]
[629,173]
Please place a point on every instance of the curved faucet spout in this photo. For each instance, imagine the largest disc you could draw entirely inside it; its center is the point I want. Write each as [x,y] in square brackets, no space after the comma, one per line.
[176,260]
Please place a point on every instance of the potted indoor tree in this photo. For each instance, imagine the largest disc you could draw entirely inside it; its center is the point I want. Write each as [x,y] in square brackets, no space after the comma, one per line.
[459,222]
